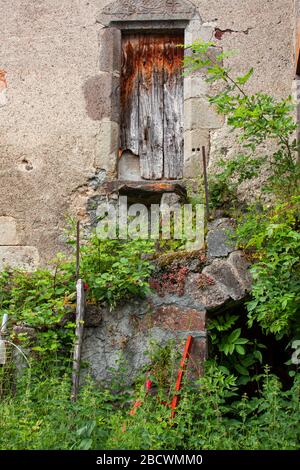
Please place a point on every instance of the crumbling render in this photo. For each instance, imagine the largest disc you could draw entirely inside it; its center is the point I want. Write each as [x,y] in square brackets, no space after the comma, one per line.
[220,32]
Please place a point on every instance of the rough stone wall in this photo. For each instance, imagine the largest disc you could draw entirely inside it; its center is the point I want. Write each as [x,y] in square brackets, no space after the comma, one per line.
[177,308]
[58,142]
[49,144]
[263,34]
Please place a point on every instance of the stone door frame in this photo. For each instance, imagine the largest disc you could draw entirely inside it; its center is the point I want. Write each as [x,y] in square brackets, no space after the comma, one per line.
[127,15]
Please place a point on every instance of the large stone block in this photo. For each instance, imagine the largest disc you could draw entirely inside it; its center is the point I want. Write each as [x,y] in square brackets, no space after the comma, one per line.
[146,10]
[193,142]
[107,144]
[220,240]
[195,86]
[199,113]
[128,332]
[24,257]
[8,231]
[223,274]
[110,50]
[211,294]
[241,265]
[174,318]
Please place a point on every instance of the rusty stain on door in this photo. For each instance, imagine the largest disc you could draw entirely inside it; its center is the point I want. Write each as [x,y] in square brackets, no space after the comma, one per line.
[152,102]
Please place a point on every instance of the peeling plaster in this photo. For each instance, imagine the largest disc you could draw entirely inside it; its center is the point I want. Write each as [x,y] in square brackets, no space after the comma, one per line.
[220,32]
[3,88]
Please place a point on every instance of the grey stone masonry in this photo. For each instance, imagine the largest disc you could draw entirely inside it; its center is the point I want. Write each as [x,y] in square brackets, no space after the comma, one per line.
[126,333]
[110,50]
[220,238]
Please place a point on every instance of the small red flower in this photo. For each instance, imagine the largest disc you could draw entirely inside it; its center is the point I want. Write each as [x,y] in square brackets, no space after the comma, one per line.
[148,384]
[137,404]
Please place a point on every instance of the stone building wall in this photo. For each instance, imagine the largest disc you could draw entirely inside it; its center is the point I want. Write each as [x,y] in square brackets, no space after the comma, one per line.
[206,284]
[59,134]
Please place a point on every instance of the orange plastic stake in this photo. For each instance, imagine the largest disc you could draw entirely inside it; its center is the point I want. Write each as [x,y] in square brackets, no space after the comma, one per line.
[181,370]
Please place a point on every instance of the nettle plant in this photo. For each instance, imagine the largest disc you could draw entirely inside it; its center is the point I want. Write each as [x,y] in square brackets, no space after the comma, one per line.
[269,232]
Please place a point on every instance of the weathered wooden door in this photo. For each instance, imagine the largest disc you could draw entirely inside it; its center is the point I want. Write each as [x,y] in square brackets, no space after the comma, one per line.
[152,102]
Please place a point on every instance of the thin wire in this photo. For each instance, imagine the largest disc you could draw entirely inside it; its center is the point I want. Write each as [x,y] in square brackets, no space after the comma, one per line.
[19,349]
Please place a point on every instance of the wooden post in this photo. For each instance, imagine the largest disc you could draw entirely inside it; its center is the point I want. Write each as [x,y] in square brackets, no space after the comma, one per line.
[297,48]
[2,342]
[80,307]
[205,182]
[4,324]
[77,249]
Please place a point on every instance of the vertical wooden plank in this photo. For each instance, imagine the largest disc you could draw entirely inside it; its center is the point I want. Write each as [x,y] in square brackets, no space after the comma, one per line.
[77,249]
[151,108]
[152,103]
[4,324]
[173,107]
[204,162]
[80,307]
[130,93]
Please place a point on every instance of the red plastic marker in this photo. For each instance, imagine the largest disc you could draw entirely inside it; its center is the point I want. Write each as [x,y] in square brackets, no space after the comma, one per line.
[180,374]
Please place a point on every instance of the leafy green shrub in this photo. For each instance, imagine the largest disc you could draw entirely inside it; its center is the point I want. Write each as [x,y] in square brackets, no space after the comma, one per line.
[269,232]
[274,238]
[236,354]
[39,299]
[114,270]
[259,118]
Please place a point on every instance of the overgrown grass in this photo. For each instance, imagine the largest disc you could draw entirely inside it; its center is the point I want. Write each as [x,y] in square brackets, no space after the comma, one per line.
[210,416]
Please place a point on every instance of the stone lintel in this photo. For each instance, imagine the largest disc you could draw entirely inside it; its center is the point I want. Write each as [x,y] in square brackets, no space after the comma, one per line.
[146,10]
